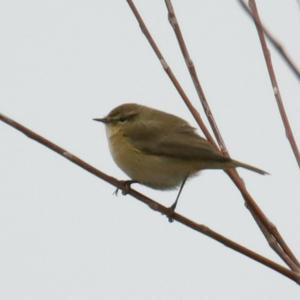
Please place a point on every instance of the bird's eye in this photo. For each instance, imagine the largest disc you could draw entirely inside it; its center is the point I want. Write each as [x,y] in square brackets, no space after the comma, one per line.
[122,120]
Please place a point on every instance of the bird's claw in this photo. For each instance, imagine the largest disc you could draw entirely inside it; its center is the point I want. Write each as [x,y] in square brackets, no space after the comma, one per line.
[127,186]
[170,212]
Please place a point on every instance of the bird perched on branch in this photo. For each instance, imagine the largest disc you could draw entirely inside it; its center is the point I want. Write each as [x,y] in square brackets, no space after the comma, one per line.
[160,150]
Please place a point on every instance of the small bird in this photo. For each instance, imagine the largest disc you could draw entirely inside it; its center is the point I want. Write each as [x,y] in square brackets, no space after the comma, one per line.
[160,150]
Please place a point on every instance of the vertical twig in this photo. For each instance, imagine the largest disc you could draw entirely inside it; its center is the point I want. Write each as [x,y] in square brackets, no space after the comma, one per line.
[170,73]
[254,209]
[192,70]
[270,232]
[267,55]
[276,44]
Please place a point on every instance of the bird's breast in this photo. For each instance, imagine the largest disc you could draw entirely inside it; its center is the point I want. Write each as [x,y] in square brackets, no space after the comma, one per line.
[158,172]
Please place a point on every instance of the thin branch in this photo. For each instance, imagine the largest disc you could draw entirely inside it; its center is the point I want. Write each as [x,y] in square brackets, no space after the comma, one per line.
[191,68]
[271,233]
[289,259]
[170,73]
[250,203]
[275,42]
[267,55]
[151,203]
[256,213]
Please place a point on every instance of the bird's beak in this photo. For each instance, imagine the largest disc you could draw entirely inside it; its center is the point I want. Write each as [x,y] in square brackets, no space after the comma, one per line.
[103,120]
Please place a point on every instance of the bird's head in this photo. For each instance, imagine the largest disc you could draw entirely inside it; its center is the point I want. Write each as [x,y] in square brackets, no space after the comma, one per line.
[121,117]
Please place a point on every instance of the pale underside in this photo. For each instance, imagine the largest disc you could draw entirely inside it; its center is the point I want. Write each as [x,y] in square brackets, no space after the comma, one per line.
[162,157]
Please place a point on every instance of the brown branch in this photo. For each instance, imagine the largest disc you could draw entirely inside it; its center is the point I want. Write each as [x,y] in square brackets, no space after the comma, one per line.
[151,203]
[254,209]
[267,55]
[272,233]
[257,215]
[289,259]
[276,44]
[191,68]
[170,73]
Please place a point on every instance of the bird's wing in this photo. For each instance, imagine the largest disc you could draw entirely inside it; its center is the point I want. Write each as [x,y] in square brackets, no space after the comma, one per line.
[177,141]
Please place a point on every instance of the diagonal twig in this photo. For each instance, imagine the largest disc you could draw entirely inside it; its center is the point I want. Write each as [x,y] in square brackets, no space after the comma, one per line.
[273,233]
[191,68]
[151,203]
[279,247]
[170,73]
[267,56]
[276,44]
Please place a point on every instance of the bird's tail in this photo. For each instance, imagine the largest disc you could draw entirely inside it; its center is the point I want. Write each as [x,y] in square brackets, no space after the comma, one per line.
[237,163]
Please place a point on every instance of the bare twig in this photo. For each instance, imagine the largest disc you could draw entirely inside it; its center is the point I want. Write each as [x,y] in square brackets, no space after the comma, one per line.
[280,248]
[267,55]
[276,44]
[250,203]
[170,73]
[254,209]
[151,203]
[191,68]
[190,65]
[271,233]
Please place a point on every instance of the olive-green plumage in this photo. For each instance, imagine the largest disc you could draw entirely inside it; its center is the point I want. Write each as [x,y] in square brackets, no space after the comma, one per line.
[158,149]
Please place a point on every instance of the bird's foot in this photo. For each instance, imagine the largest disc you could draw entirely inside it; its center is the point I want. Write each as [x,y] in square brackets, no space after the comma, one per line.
[170,212]
[127,186]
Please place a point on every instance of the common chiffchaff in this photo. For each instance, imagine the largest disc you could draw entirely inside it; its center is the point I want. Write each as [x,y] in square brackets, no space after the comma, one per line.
[158,149]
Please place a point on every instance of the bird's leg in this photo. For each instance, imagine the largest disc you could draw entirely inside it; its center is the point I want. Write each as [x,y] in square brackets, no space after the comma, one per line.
[173,206]
[127,184]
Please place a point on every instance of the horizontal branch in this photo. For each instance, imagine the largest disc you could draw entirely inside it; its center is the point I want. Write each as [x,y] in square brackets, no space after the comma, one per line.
[151,203]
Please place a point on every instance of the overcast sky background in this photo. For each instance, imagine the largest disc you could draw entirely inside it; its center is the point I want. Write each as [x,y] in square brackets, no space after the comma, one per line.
[63,235]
